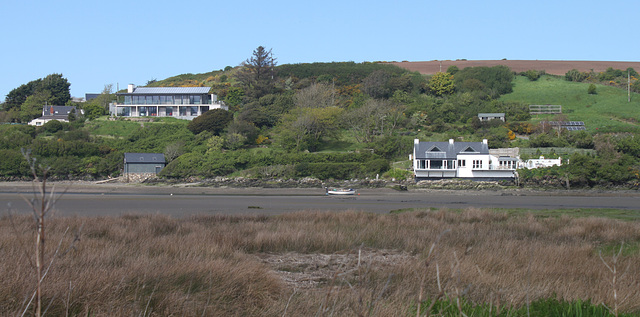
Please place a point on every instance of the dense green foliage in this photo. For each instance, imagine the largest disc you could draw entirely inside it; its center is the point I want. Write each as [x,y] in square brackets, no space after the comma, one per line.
[317,120]
[25,102]
[494,81]
[213,121]
[345,73]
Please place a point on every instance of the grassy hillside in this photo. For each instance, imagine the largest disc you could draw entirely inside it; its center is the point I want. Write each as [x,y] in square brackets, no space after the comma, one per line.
[606,111]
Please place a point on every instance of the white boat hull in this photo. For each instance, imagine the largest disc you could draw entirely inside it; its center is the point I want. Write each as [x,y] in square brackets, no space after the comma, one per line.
[341,192]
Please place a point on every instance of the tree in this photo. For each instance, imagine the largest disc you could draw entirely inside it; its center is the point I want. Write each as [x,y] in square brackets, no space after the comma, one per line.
[213,121]
[173,150]
[304,128]
[315,96]
[441,84]
[374,117]
[52,90]
[375,85]
[93,110]
[58,87]
[496,80]
[453,69]
[257,74]
[104,98]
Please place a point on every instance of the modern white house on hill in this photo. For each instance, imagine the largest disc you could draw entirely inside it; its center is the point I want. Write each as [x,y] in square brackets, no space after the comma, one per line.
[466,160]
[178,102]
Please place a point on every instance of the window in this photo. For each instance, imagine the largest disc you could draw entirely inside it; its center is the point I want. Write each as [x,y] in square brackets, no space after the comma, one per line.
[143,111]
[194,100]
[193,110]
[451,164]
[436,164]
[169,111]
[477,163]
[462,163]
[124,111]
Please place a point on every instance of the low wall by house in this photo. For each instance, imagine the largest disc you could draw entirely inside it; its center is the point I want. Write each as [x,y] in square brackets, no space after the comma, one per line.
[137,177]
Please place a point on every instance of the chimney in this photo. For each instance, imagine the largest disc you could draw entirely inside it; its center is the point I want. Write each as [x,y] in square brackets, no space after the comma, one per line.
[484,141]
[451,141]
[131,88]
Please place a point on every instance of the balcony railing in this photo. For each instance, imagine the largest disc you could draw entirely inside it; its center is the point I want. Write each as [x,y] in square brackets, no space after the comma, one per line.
[167,103]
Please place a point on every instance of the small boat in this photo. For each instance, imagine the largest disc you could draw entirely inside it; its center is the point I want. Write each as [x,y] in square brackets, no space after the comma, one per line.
[340,191]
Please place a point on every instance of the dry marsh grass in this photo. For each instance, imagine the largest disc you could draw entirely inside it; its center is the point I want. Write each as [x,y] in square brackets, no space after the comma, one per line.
[316,263]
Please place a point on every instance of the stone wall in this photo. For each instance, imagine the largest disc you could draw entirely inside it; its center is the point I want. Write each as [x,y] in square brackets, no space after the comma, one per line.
[137,177]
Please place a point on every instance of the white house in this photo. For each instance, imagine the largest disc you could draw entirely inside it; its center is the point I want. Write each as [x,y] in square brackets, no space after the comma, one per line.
[467,160]
[491,116]
[541,162]
[59,113]
[178,102]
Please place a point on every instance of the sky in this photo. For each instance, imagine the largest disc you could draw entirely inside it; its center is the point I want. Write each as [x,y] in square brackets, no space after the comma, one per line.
[97,43]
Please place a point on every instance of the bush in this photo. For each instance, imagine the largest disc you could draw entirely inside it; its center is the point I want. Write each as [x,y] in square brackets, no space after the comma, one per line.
[576,75]
[533,75]
[592,89]
[13,164]
[213,121]
[53,126]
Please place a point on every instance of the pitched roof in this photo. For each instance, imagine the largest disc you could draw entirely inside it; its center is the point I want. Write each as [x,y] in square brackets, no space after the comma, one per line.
[144,158]
[168,91]
[492,114]
[448,150]
[57,110]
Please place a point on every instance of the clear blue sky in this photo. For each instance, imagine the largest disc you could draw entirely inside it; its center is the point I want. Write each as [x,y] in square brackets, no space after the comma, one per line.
[94,43]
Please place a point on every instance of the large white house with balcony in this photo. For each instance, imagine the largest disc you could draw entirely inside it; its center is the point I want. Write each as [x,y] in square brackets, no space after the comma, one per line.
[178,102]
[466,160]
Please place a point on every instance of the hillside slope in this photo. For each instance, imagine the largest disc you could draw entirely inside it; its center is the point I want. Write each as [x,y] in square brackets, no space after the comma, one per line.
[550,67]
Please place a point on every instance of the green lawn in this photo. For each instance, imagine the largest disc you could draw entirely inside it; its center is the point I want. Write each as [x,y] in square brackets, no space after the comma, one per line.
[607,110]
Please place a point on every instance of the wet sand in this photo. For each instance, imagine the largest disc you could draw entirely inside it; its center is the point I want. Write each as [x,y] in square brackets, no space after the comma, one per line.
[90,199]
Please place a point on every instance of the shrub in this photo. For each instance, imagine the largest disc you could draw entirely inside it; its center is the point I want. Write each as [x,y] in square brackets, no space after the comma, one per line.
[592,89]
[213,121]
[533,75]
[53,126]
[576,75]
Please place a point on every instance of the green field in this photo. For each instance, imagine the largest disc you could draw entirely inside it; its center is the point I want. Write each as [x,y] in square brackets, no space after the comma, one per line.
[608,110]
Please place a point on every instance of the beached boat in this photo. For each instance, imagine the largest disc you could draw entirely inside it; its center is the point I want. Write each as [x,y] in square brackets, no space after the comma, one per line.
[340,191]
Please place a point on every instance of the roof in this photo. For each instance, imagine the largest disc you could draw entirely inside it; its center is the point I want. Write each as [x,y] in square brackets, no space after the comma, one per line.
[57,110]
[169,91]
[144,158]
[448,150]
[497,114]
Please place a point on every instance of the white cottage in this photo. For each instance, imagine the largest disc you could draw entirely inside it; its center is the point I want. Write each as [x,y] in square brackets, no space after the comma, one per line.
[467,160]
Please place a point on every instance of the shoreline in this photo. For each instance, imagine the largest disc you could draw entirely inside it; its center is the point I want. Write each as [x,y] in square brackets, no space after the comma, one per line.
[200,188]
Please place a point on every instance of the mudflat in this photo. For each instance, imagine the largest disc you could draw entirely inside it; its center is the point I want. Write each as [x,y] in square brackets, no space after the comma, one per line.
[91,199]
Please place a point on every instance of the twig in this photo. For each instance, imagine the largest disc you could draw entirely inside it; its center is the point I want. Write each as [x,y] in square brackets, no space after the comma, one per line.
[289,301]
[149,301]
